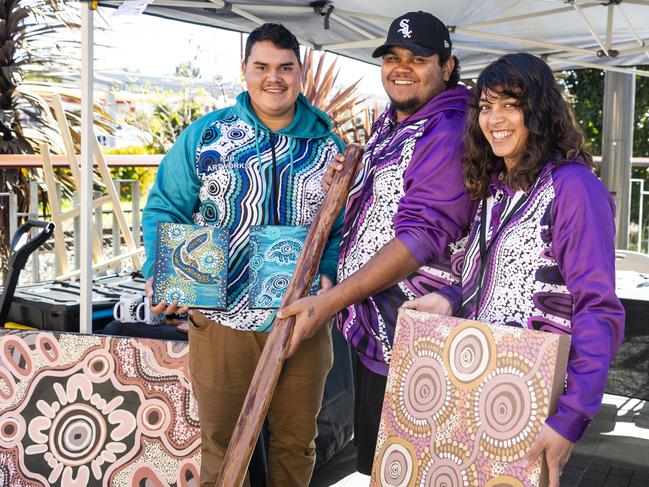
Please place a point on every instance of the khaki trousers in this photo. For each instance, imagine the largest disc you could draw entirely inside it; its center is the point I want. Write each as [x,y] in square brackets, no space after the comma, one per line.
[222,363]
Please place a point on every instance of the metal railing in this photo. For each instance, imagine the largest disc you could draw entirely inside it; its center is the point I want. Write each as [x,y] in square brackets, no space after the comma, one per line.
[639,228]
[113,237]
[638,219]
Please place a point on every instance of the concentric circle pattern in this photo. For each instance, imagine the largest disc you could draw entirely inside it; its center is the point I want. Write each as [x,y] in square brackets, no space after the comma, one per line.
[396,464]
[153,417]
[506,412]
[424,388]
[469,398]
[95,408]
[78,434]
[99,366]
[12,430]
[505,406]
[469,354]
[444,473]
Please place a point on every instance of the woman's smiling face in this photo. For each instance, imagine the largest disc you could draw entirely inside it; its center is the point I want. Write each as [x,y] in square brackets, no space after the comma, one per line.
[502,122]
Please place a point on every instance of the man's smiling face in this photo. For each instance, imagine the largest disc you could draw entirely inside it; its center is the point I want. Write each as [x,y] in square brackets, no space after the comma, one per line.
[274,80]
[411,81]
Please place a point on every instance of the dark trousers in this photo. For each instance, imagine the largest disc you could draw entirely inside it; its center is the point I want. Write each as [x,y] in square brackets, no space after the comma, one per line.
[368,401]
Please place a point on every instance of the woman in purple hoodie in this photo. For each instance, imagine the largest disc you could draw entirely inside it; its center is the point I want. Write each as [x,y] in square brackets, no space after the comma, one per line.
[540,252]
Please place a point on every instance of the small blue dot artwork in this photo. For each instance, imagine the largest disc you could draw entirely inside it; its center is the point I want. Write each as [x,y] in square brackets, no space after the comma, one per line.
[191,266]
[274,251]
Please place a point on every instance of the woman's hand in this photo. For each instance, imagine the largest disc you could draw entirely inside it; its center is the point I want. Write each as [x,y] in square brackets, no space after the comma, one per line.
[162,306]
[430,303]
[557,451]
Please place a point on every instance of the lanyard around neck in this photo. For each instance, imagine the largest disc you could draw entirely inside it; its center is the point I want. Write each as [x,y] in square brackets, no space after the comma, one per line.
[486,247]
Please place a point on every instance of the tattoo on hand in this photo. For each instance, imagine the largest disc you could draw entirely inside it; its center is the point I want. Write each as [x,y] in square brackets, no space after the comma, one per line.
[311,311]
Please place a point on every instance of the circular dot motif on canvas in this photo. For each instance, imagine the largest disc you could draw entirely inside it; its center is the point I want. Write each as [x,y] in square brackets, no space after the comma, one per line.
[423,391]
[452,463]
[504,481]
[78,433]
[154,417]
[396,464]
[178,289]
[444,473]
[12,429]
[256,262]
[469,354]
[506,405]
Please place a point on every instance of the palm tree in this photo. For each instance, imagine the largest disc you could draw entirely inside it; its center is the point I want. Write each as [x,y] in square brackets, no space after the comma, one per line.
[37,43]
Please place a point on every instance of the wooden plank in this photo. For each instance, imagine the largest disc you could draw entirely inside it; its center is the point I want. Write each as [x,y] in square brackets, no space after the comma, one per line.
[103,264]
[97,202]
[73,165]
[117,207]
[255,406]
[62,120]
[55,205]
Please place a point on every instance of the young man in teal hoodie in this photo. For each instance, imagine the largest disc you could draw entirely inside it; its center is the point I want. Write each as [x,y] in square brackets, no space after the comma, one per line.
[258,162]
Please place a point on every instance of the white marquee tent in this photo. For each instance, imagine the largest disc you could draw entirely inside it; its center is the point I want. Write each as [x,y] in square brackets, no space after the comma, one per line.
[612,35]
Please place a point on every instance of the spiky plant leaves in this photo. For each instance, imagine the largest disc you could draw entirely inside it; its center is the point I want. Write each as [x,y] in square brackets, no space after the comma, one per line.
[318,81]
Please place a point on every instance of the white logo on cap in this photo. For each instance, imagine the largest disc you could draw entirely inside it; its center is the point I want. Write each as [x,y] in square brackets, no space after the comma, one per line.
[446,43]
[405,28]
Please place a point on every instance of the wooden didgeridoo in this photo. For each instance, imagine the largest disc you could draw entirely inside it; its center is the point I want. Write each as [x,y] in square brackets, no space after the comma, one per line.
[255,406]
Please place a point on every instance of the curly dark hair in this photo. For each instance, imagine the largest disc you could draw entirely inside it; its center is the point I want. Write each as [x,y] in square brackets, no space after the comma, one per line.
[553,133]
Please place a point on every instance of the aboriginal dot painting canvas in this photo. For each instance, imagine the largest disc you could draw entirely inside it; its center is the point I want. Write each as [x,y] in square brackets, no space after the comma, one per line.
[464,401]
[191,266]
[274,251]
[84,410]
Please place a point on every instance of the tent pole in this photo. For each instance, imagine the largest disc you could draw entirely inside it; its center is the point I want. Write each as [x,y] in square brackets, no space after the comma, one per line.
[85,207]
[617,147]
[584,20]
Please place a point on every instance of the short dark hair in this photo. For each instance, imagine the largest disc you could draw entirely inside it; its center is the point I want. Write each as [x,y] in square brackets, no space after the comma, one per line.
[454,78]
[553,133]
[280,36]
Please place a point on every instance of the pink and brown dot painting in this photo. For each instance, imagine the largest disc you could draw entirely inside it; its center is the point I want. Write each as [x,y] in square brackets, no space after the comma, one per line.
[83,410]
[464,401]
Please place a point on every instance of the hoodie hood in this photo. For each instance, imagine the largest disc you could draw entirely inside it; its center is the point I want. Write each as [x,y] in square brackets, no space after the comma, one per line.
[453,99]
[308,123]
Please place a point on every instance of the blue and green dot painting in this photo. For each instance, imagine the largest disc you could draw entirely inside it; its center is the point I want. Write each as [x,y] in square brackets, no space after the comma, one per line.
[191,265]
[274,250]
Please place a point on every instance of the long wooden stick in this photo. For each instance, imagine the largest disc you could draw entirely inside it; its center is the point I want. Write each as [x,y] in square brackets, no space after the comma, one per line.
[255,406]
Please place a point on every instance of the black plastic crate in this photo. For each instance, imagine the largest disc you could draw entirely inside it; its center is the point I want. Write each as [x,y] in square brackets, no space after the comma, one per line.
[121,283]
[56,306]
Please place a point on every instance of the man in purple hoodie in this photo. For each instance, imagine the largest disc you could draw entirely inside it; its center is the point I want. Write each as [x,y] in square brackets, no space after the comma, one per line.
[405,213]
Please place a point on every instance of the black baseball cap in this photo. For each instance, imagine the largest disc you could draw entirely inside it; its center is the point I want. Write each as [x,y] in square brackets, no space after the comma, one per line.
[420,32]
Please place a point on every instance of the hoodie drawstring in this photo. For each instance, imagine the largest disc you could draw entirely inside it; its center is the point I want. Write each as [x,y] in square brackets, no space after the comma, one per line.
[290,153]
[257,145]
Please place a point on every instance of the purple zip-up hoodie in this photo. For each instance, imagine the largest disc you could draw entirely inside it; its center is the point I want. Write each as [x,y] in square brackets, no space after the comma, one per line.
[410,187]
[550,265]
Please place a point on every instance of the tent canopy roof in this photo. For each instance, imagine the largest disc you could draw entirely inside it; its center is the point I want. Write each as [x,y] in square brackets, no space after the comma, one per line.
[568,34]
